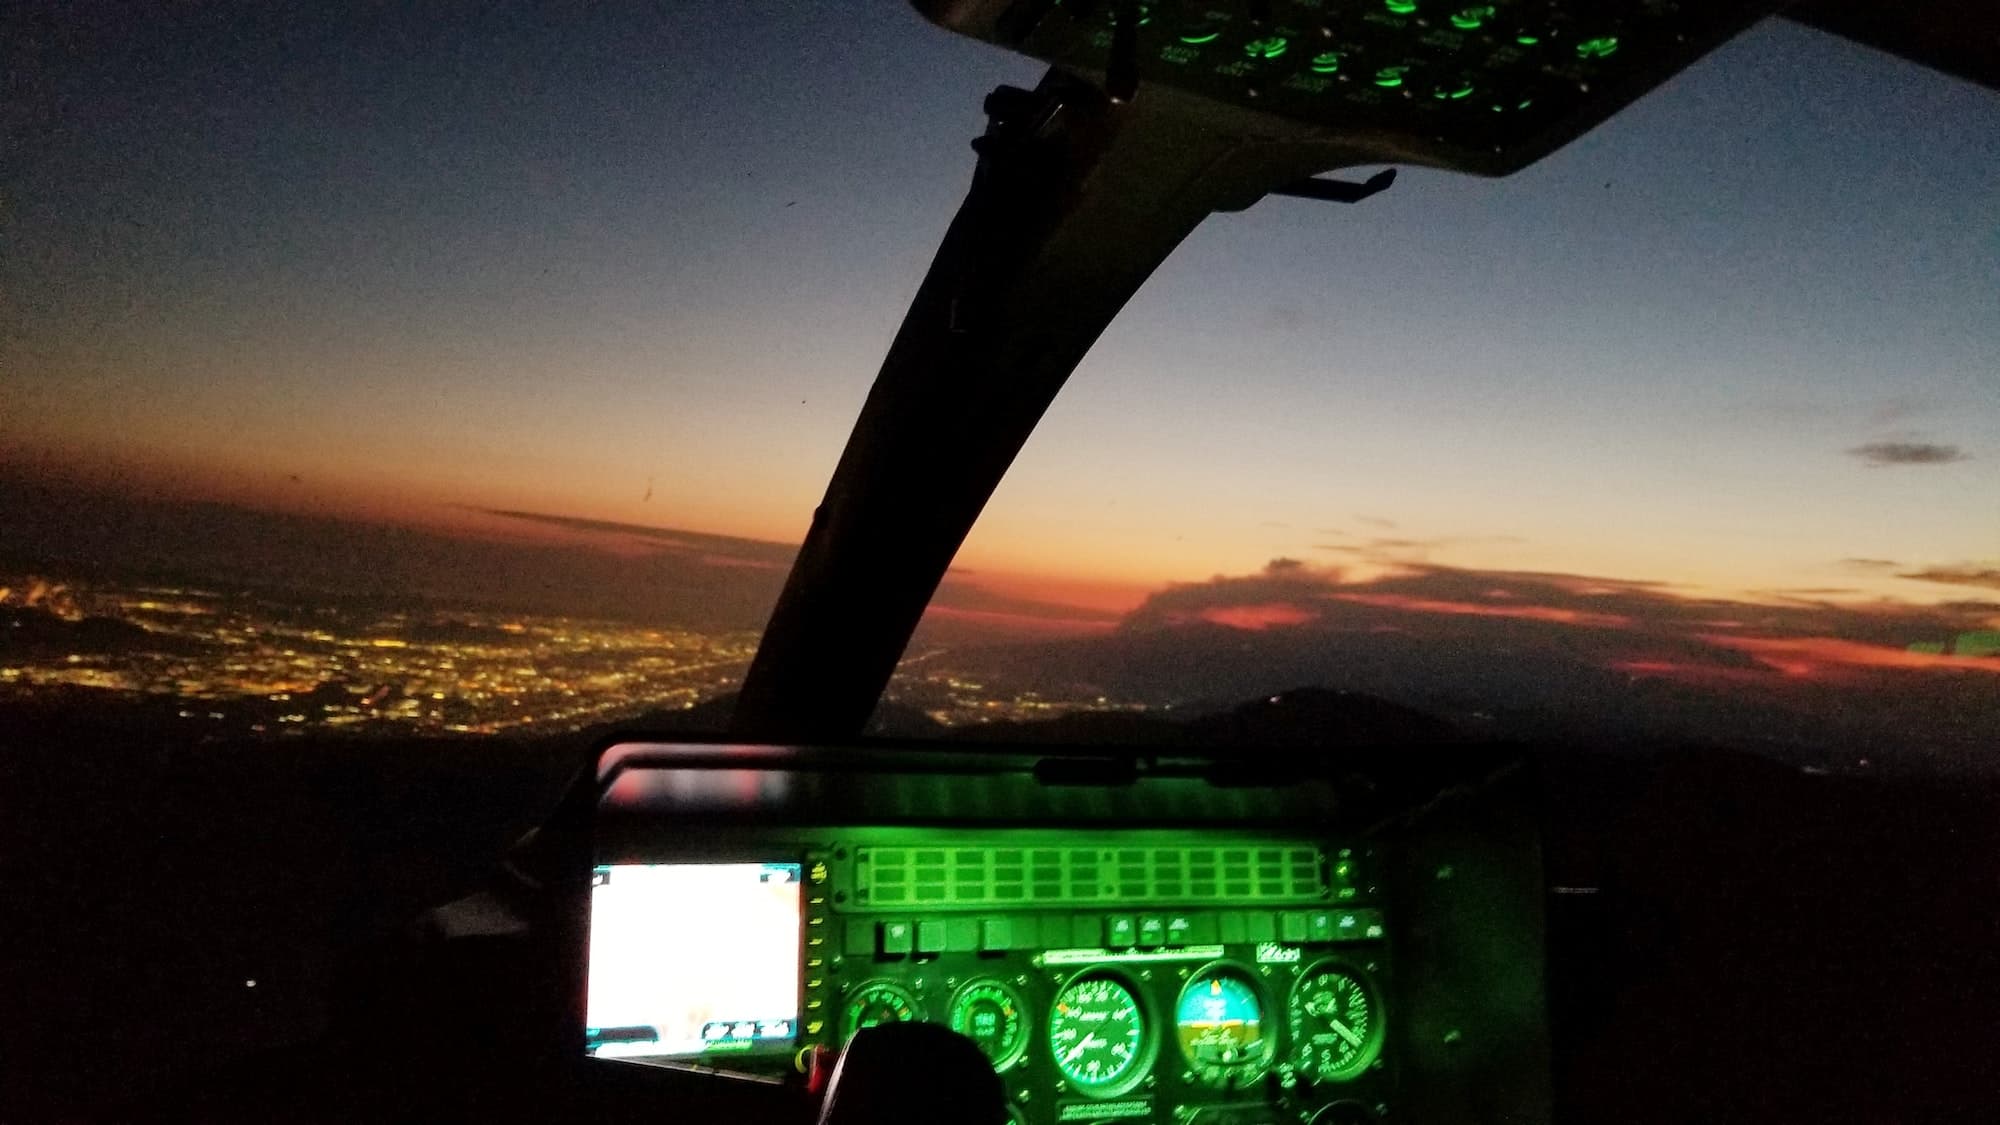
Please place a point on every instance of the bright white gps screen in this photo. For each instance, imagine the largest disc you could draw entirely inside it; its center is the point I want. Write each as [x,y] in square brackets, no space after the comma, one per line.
[692,958]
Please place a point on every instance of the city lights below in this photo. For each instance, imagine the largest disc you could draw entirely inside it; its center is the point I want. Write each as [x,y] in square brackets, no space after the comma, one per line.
[231,665]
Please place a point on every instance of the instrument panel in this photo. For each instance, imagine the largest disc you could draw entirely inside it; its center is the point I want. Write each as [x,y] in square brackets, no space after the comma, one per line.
[1480,87]
[1108,975]
[1126,938]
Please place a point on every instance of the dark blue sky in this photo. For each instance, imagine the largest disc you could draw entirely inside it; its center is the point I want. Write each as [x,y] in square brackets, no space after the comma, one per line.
[561,258]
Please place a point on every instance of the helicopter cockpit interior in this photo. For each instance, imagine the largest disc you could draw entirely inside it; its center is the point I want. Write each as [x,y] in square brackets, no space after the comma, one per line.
[1258,923]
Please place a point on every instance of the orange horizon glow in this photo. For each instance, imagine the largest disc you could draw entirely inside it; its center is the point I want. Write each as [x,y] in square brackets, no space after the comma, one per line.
[1550,614]
[1257,618]
[1807,657]
[1023,622]
[380,497]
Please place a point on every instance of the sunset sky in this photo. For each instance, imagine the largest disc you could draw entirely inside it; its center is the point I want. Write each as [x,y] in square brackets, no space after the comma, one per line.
[641,266]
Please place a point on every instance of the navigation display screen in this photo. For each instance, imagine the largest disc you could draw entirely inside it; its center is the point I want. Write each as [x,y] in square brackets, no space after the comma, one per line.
[693,958]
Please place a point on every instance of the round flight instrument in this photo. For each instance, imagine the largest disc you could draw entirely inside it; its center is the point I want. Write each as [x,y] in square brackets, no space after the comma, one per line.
[1097,1033]
[1219,1019]
[1336,1024]
[879,1001]
[991,1014]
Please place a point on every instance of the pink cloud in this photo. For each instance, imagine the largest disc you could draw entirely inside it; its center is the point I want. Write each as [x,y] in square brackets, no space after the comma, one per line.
[1257,618]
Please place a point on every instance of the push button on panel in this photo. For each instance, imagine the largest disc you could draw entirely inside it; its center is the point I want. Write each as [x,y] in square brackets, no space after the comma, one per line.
[1234,930]
[996,935]
[1292,927]
[1152,931]
[961,935]
[1260,925]
[1358,925]
[1121,931]
[930,937]
[897,939]
[1319,923]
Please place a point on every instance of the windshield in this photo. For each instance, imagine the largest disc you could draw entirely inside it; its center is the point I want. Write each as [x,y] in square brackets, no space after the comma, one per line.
[386,374]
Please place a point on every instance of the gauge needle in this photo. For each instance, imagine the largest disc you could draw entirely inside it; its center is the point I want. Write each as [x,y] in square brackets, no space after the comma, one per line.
[1087,1042]
[1345,1032]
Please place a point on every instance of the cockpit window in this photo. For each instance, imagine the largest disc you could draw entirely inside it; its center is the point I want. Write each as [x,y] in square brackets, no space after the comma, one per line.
[402,375]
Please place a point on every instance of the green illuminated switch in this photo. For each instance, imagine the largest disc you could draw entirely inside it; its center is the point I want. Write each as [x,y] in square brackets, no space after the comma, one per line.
[1358,925]
[896,939]
[1292,927]
[930,937]
[1259,925]
[1121,931]
[1191,929]
[961,935]
[1319,924]
[1231,924]
[1152,931]
[996,935]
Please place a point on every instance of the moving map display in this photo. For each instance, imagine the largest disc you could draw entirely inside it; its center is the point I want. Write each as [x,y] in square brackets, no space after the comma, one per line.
[692,958]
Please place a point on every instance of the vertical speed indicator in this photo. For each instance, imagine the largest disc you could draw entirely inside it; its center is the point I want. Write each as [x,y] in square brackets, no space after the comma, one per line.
[1336,1023]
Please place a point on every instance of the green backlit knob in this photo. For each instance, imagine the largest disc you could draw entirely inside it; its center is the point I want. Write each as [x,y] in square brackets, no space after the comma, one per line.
[1468,19]
[1196,36]
[1601,47]
[1269,47]
[1390,76]
[1452,93]
[1400,7]
[1326,62]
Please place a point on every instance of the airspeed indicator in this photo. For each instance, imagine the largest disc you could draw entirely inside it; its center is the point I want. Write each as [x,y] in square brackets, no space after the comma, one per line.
[1098,1035]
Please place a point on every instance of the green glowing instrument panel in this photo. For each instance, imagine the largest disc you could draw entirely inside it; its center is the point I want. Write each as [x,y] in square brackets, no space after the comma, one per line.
[1485,87]
[1171,941]
[1132,974]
